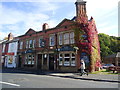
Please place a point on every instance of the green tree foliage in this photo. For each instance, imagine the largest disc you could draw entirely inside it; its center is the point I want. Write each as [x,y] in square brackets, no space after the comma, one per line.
[108,44]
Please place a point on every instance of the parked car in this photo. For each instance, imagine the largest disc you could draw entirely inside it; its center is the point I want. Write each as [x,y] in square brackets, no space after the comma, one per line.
[106,66]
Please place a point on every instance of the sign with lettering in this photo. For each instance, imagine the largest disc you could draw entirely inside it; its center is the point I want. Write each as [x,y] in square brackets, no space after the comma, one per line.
[67,48]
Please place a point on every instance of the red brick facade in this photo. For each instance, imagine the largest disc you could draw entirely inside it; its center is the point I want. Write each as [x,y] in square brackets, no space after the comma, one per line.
[61,48]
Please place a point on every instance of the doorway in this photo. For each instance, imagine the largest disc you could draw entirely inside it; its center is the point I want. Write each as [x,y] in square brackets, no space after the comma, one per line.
[19,61]
[51,61]
[39,63]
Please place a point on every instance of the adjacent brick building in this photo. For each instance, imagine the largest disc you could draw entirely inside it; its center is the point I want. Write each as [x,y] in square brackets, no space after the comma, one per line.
[62,47]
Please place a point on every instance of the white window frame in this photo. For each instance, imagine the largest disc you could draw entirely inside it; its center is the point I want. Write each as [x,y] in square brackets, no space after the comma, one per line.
[33,59]
[27,43]
[60,59]
[66,38]
[67,63]
[21,45]
[60,39]
[73,62]
[72,41]
[3,50]
[30,43]
[52,40]
[34,43]
[41,42]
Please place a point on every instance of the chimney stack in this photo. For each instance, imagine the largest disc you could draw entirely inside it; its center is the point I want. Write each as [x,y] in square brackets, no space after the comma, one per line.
[45,26]
[10,36]
[81,8]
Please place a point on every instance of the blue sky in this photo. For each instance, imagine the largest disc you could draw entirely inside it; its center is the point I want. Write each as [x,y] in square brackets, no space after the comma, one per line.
[18,16]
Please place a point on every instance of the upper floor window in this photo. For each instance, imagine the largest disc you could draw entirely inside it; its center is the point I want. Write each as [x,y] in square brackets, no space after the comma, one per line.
[27,44]
[41,42]
[21,45]
[52,40]
[33,43]
[30,44]
[84,38]
[71,37]
[3,50]
[66,38]
[60,39]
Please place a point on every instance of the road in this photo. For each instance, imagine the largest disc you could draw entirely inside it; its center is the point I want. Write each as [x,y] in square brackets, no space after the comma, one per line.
[24,80]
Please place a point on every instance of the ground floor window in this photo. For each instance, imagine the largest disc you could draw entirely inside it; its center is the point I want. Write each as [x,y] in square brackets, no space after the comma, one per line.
[66,59]
[29,59]
[60,59]
[73,59]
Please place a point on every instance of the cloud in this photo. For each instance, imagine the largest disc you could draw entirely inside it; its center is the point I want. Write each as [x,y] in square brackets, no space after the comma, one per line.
[19,21]
[108,29]
[33,14]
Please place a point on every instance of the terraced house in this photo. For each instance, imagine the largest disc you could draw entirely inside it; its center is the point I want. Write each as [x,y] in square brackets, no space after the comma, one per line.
[62,47]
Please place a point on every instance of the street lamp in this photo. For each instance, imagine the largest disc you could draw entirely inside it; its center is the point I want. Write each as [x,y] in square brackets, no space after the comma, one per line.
[76,48]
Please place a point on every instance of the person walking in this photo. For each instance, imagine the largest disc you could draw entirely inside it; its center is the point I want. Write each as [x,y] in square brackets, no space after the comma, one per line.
[82,67]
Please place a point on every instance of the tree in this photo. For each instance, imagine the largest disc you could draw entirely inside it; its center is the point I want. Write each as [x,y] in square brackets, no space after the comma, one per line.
[108,44]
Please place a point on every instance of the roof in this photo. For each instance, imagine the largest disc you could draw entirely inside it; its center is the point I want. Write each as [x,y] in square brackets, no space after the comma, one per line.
[113,55]
[60,25]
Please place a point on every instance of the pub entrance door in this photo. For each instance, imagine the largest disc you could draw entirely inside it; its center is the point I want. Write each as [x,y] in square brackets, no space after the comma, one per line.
[39,63]
[51,61]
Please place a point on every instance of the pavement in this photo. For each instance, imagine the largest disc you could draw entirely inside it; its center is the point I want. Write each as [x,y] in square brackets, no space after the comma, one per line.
[93,77]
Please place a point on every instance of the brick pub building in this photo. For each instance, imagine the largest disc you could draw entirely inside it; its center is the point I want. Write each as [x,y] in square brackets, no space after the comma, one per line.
[62,47]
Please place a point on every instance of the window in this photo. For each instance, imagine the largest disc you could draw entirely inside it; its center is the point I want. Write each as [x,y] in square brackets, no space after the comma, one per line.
[29,59]
[26,44]
[60,39]
[21,45]
[41,42]
[60,59]
[30,44]
[52,40]
[66,38]
[71,37]
[73,59]
[33,59]
[26,59]
[66,59]
[33,43]
[3,48]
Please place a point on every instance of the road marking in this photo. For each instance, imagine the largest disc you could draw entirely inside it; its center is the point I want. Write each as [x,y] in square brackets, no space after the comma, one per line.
[9,83]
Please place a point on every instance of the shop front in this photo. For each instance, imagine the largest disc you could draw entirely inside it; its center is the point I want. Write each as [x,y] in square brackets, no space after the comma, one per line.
[29,59]
[67,59]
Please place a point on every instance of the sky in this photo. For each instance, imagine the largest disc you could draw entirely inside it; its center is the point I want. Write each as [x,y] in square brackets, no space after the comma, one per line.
[17,16]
